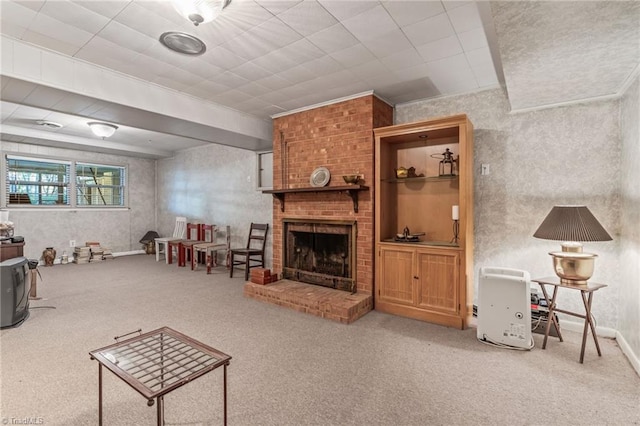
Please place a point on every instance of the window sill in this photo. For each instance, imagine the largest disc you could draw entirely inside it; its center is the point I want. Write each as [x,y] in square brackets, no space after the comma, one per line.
[65,209]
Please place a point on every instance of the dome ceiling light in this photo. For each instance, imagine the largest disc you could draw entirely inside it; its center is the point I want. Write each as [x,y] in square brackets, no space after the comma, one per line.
[102,130]
[183,43]
[200,11]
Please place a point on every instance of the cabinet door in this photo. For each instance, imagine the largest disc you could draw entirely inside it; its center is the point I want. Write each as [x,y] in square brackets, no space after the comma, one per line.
[395,283]
[438,280]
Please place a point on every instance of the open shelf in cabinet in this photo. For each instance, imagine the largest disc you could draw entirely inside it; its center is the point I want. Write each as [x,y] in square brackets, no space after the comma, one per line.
[422,243]
[421,179]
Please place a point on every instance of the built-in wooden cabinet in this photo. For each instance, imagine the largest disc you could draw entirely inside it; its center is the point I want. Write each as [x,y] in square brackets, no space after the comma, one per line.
[428,276]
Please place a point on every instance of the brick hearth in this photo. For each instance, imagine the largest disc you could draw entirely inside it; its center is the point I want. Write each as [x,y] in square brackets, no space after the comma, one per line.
[336,305]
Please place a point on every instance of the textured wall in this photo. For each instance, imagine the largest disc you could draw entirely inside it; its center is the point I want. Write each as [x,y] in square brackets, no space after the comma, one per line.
[213,184]
[564,155]
[629,309]
[120,230]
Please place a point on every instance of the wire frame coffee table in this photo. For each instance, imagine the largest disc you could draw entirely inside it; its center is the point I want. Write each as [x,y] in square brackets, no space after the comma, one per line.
[158,362]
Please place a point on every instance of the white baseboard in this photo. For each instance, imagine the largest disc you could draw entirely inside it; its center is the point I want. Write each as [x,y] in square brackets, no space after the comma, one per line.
[579,326]
[129,253]
[626,349]
[122,253]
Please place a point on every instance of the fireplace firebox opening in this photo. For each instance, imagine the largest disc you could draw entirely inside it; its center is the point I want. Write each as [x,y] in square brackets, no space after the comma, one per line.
[320,252]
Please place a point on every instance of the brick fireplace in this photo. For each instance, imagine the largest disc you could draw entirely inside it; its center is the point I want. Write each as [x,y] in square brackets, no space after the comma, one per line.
[337,136]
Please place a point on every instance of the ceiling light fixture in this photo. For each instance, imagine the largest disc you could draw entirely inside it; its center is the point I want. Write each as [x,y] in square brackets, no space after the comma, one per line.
[102,130]
[49,124]
[200,11]
[183,43]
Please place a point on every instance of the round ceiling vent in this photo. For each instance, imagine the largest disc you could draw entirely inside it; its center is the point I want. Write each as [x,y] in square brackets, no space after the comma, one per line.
[183,43]
[49,124]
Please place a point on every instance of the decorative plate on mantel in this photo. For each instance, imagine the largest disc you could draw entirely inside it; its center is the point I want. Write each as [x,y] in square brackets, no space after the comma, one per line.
[320,177]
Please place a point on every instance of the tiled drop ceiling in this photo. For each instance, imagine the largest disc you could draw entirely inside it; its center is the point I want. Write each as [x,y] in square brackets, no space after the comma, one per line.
[266,57]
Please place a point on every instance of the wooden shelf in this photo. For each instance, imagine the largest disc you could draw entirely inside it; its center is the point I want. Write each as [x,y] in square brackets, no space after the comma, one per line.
[421,178]
[351,190]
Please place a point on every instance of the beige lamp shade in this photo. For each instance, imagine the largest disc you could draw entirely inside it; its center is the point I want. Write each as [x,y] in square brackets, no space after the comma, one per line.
[571,223]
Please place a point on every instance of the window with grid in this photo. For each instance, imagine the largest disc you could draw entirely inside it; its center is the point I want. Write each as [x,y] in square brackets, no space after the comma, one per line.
[32,181]
[99,185]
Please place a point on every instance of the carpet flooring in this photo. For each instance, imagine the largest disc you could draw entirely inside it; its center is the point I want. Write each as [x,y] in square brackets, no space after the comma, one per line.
[289,368]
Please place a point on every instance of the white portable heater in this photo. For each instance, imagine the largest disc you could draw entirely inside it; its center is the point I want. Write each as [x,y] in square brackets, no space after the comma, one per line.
[504,307]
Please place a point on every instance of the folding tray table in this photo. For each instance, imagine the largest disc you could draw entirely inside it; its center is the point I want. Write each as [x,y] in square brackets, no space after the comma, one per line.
[157,362]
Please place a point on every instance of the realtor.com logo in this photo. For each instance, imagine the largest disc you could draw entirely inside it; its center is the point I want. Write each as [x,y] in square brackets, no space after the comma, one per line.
[23,420]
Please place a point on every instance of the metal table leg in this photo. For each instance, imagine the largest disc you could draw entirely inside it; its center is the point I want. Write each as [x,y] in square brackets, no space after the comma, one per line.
[552,317]
[225,393]
[99,394]
[160,410]
[588,323]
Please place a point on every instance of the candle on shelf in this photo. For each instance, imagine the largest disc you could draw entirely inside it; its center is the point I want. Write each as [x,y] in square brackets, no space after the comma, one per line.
[455,213]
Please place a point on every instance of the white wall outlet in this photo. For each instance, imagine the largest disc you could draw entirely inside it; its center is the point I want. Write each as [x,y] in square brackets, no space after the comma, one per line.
[72,243]
[486,169]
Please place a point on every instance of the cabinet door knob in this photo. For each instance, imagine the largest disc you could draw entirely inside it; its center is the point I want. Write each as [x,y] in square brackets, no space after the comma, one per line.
[415,277]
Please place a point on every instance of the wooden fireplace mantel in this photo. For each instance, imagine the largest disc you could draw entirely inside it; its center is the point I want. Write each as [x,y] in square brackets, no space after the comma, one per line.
[351,190]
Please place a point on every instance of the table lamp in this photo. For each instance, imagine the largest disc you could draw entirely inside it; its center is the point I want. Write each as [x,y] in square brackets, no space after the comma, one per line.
[572,224]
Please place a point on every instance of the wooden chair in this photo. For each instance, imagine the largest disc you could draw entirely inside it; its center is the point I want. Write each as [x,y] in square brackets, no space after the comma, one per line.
[179,232]
[187,248]
[192,234]
[205,235]
[253,254]
[210,250]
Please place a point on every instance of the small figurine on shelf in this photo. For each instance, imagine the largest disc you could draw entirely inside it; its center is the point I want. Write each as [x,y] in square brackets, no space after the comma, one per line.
[401,172]
[405,232]
[447,163]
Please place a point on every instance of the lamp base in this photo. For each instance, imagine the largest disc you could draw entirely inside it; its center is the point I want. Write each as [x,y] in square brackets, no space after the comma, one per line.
[572,282]
[573,268]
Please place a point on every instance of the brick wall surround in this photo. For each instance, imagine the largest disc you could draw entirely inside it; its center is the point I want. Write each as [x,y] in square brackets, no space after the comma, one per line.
[339,137]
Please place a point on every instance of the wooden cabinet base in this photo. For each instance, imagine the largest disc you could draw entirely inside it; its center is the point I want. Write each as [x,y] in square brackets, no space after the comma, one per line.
[422,315]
